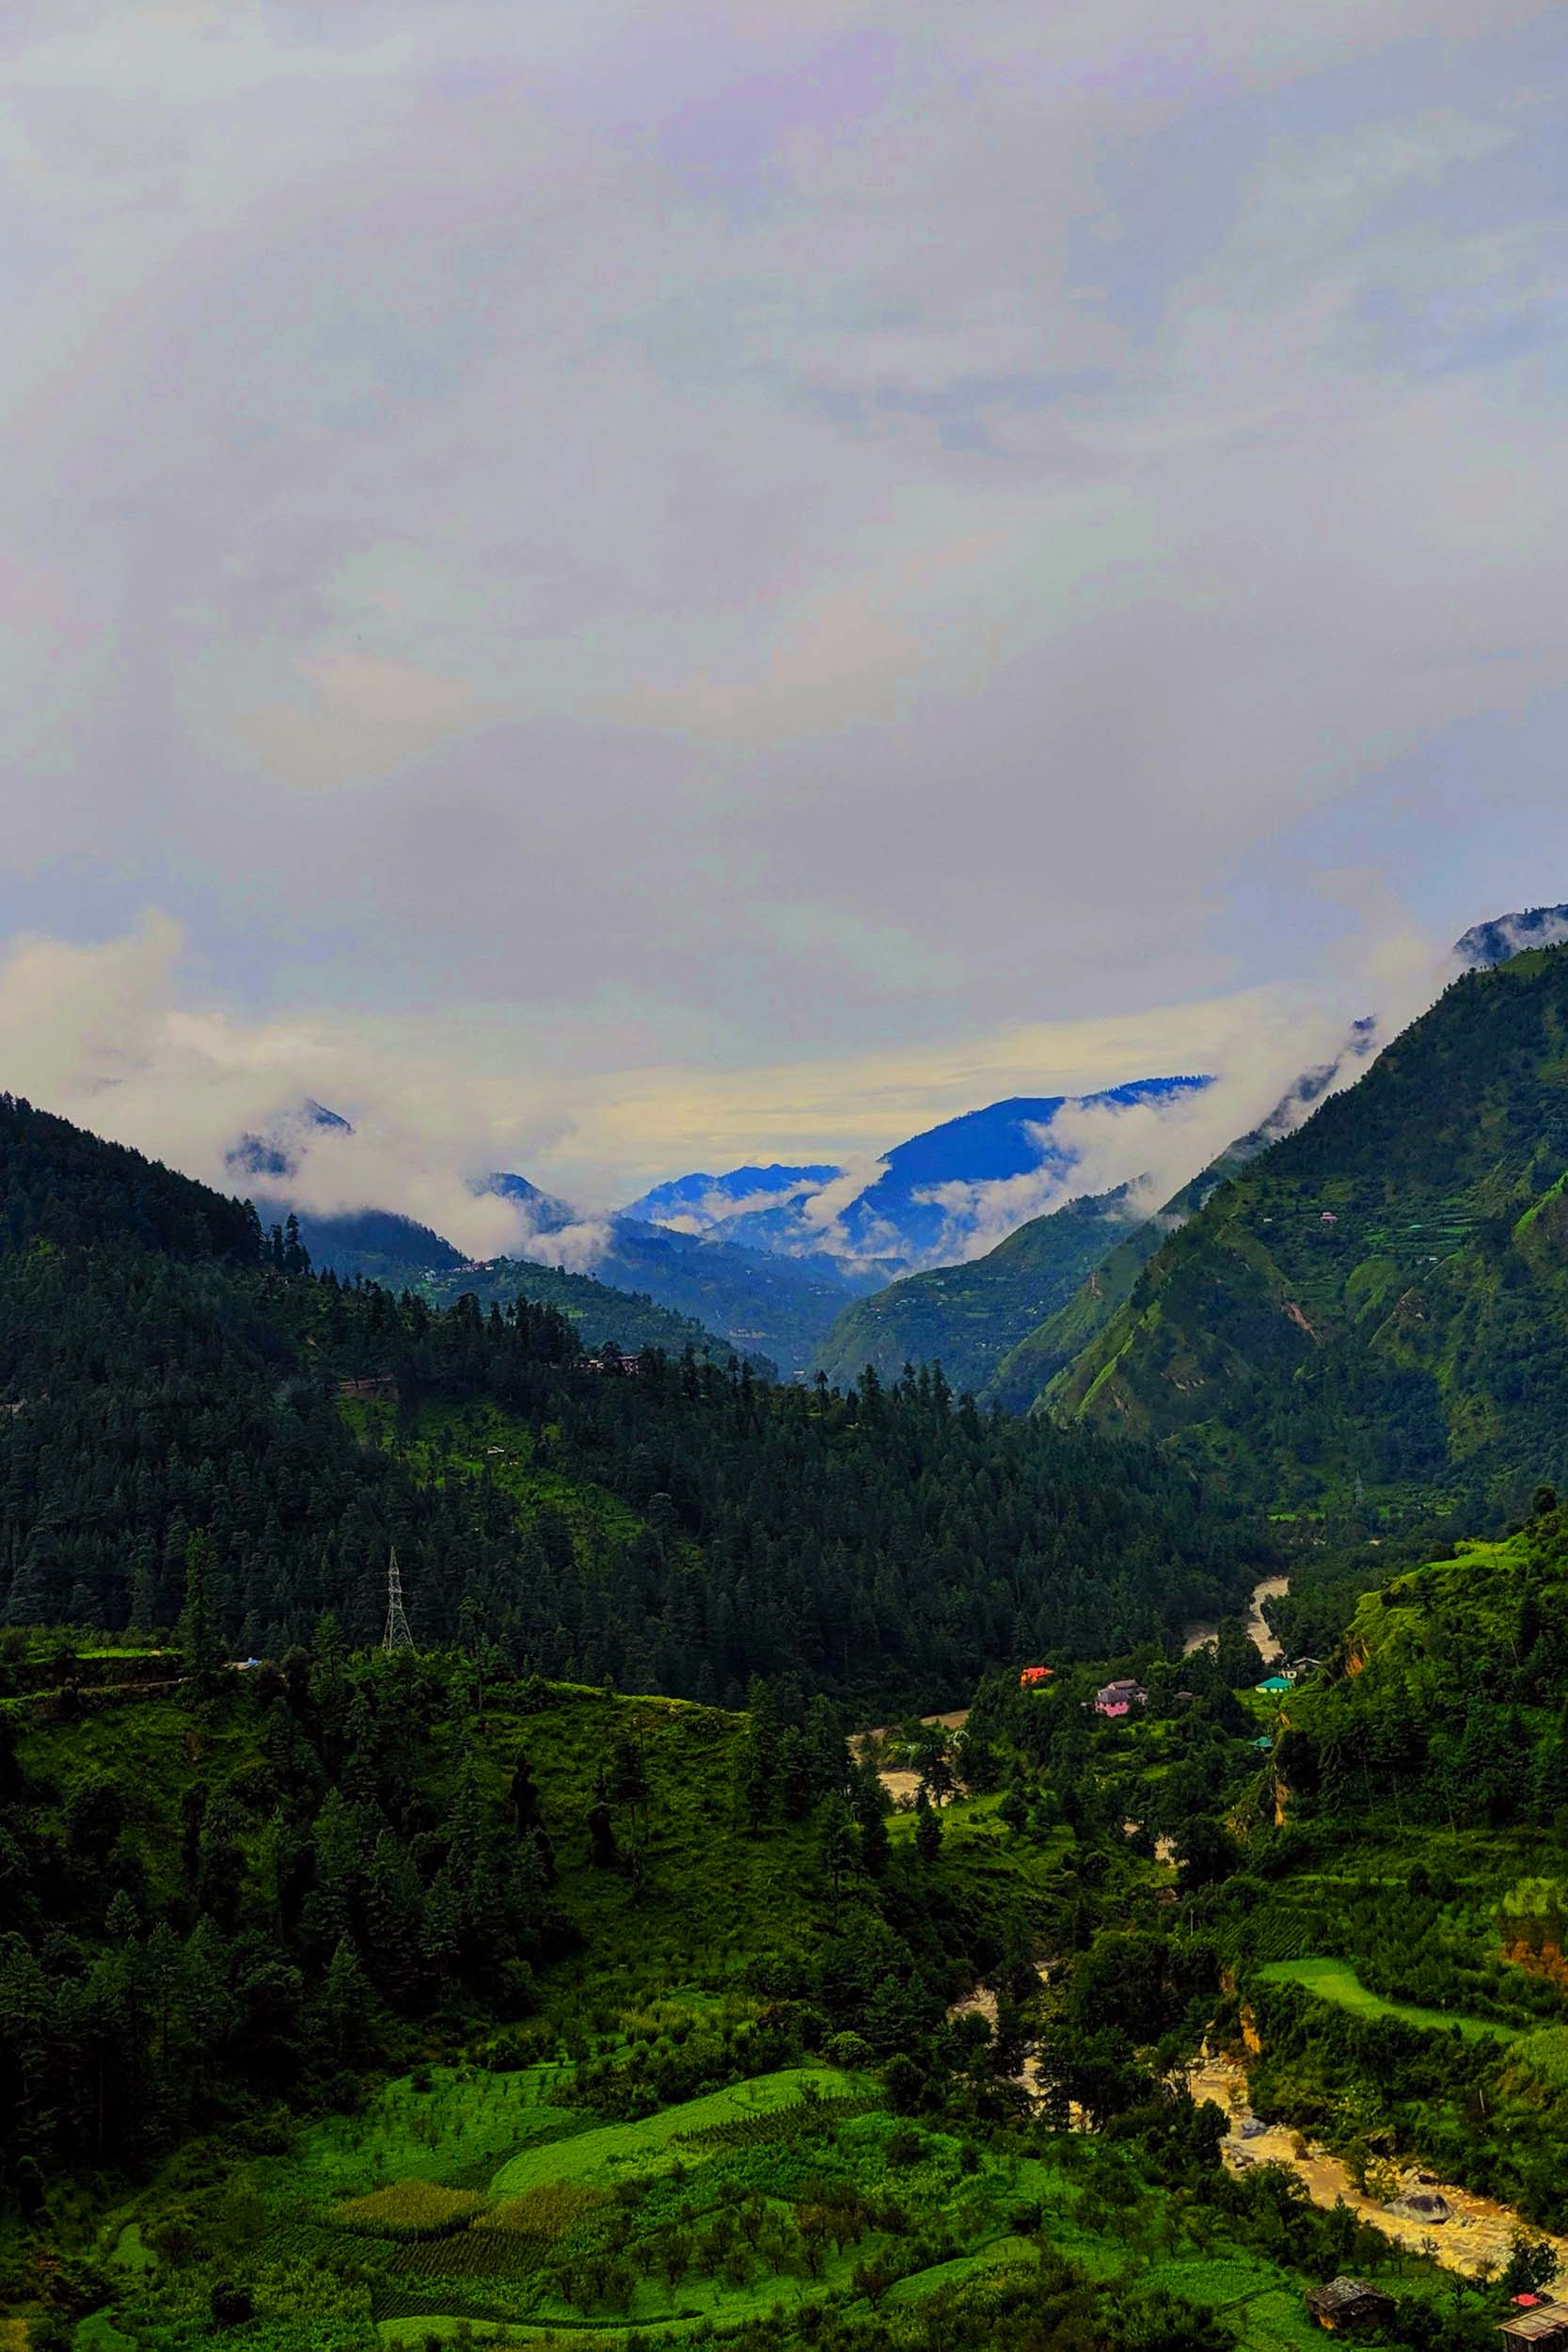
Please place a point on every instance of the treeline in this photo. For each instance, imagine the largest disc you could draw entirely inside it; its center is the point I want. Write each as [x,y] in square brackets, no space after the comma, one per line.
[166,1370]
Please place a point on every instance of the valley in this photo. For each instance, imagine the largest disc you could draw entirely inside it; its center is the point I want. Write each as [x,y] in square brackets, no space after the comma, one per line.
[567,1963]
[783,1177]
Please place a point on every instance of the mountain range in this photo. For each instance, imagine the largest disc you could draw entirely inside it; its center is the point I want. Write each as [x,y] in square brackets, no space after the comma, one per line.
[922,1204]
[789,1263]
[1004,1323]
[764,1260]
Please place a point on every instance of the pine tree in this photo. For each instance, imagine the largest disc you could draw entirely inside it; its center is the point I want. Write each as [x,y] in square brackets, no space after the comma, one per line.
[524,1794]
[200,1642]
[868,1802]
[345,2006]
[927,1828]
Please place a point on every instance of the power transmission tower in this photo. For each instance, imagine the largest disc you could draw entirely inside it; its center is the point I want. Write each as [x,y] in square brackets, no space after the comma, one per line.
[397,1635]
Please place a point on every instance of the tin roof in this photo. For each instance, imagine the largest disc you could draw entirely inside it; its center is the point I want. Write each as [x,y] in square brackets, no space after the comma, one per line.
[1547,2319]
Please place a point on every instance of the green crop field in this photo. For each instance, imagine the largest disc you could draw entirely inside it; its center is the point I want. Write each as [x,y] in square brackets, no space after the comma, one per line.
[624,2151]
[1336,1980]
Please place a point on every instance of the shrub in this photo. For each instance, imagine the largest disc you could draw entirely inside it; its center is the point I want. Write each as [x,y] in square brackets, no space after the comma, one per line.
[851,2051]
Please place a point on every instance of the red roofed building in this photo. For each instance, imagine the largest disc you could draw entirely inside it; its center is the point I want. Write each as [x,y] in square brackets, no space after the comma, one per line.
[1032,1676]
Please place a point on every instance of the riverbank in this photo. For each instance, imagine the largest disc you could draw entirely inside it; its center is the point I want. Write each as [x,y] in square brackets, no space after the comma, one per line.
[1476,2237]
[1201,1635]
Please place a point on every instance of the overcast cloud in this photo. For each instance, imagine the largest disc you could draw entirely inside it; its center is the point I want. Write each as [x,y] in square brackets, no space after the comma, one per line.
[631,588]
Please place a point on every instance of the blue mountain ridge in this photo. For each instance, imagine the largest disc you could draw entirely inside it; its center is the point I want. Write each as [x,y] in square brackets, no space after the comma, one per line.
[888,1224]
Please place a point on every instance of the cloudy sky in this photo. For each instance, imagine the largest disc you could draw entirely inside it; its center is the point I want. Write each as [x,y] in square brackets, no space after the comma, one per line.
[619,587]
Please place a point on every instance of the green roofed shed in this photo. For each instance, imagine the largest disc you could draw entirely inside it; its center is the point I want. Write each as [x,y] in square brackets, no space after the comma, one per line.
[1275,1683]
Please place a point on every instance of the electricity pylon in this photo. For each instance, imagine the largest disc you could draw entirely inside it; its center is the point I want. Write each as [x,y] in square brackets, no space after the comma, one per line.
[397,1635]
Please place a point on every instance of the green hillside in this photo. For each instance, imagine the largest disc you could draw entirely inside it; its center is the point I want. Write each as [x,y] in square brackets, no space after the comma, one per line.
[1006,1323]
[1023,1372]
[1381,1296]
[1026,1371]
[966,1317]
[1402,1949]
[597,1311]
[371,2001]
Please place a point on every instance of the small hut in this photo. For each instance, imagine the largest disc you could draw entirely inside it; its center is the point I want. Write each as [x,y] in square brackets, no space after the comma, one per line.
[1346,2304]
[1543,2330]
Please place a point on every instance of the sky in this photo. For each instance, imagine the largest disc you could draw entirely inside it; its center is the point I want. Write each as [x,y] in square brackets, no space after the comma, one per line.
[612,589]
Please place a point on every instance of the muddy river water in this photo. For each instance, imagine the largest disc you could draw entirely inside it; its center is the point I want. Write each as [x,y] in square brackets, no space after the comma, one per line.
[1476,2236]
[1267,1588]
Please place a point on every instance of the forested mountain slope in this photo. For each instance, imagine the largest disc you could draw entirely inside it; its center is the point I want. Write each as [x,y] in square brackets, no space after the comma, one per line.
[1006,1324]
[596,1311]
[681,1530]
[1381,1297]
[759,1303]
[969,1317]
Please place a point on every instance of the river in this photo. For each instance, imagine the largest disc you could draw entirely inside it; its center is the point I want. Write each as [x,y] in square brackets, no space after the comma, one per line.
[1476,2237]
[1267,1588]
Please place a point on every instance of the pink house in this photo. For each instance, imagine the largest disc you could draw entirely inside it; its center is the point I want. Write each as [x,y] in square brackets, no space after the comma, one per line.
[1120,1698]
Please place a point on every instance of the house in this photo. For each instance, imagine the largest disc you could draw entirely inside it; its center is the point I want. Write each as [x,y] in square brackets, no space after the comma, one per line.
[1274,1684]
[1546,2327]
[1120,1698]
[1346,2304]
[1299,1668]
[1033,1677]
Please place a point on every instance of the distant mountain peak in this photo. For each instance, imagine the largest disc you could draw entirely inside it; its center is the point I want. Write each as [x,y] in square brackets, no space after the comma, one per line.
[274,1152]
[549,1213]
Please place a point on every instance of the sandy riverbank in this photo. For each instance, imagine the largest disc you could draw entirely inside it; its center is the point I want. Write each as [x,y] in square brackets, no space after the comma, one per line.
[1267,1588]
[1476,2237]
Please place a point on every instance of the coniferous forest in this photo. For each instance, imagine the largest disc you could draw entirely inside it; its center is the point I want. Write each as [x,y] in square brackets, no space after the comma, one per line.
[171,1374]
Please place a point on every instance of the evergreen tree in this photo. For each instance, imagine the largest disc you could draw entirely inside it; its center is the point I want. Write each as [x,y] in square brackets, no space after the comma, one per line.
[200,1642]
[927,1828]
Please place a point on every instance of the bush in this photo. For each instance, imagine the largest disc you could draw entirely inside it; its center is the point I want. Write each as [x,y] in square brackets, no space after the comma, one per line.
[231,2306]
[849,2051]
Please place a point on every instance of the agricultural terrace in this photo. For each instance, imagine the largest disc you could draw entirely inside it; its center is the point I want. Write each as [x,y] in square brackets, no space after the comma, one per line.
[468,2205]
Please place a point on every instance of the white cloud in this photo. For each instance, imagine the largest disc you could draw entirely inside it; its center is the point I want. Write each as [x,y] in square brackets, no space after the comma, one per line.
[123,1038]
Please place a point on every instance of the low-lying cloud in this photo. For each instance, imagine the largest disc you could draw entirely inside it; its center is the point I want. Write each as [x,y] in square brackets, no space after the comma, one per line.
[119,1037]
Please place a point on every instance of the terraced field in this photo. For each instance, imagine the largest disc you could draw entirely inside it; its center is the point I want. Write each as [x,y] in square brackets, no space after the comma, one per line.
[1336,1980]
